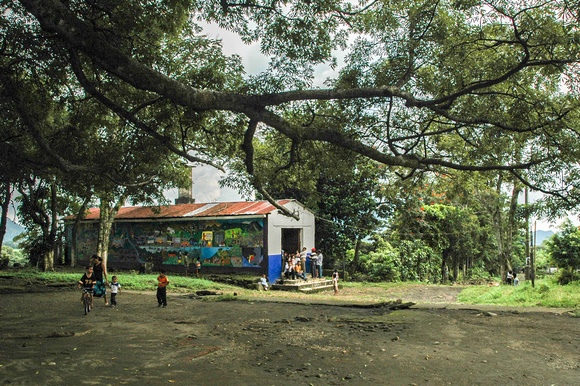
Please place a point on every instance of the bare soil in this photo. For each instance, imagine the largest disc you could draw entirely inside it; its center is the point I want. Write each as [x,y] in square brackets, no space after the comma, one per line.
[46,339]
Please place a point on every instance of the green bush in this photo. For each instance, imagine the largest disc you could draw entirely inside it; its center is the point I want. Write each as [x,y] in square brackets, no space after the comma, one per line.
[564,249]
[418,262]
[381,264]
[567,276]
[543,288]
[14,257]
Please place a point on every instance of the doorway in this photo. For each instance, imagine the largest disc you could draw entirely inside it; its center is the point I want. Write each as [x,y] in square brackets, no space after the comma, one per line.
[291,239]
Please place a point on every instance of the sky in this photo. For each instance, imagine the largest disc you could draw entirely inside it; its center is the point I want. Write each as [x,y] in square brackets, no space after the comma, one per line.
[206,187]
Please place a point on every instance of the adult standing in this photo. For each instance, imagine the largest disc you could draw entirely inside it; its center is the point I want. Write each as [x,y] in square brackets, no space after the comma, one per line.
[319,263]
[184,257]
[303,256]
[313,262]
[101,277]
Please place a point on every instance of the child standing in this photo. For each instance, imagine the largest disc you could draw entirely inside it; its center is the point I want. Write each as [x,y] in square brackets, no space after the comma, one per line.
[335,281]
[115,289]
[197,267]
[163,281]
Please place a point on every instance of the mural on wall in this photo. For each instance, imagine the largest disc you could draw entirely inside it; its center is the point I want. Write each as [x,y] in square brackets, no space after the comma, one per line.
[231,243]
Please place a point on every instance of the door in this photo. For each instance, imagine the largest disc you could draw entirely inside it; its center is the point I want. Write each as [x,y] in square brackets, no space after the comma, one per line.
[291,239]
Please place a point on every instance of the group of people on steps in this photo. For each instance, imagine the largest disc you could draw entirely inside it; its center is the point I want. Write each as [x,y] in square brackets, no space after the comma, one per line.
[295,266]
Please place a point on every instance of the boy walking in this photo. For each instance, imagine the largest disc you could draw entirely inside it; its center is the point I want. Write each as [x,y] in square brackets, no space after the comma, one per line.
[162,282]
[115,289]
[197,267]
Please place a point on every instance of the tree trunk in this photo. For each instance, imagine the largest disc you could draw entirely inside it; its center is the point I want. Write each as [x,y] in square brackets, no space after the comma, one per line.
[108,214]
[52,234]
[455,268]
[6,193]
[516,190]
[48,260]
[355,260]
[444,269]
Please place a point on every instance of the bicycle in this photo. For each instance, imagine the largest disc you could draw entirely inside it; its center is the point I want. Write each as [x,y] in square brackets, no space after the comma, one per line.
[87,299]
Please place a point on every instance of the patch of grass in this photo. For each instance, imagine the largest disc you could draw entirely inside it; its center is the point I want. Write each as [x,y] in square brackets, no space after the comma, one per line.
[220,298]
[34,276]
[130,280]
[546,293]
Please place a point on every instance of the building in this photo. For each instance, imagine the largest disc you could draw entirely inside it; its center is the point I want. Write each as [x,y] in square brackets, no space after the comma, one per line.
[236,237]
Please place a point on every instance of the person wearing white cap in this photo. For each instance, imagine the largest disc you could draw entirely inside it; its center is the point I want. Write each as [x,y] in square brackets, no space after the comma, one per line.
[313,263]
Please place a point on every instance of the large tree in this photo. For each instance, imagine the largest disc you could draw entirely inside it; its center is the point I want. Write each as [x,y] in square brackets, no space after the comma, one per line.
[416,74]
[58,137]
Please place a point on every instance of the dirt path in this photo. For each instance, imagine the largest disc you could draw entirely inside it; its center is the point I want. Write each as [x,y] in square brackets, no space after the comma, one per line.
[46,339]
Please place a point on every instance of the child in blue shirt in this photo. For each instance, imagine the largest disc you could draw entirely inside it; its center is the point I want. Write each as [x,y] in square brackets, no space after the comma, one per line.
[115,289]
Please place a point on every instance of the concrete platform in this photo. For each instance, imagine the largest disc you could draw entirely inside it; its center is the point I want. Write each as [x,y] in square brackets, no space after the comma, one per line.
[299,285]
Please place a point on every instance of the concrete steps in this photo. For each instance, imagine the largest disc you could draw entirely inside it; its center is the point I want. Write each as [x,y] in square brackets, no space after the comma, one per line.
[299,285]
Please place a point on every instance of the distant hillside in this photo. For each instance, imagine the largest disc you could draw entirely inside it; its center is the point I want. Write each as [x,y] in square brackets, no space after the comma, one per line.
[543,235]
[12,230]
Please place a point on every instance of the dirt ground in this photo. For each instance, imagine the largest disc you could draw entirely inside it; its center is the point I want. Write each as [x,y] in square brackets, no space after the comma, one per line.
[46,339]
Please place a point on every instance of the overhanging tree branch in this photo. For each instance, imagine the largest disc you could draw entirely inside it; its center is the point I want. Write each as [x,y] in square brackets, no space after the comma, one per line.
[129,116]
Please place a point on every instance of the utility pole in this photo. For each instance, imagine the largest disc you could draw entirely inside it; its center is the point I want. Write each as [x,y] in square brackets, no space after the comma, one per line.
[529,260]
[533,257]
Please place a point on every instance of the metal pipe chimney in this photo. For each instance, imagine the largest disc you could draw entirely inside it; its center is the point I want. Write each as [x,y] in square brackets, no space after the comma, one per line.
[185,195]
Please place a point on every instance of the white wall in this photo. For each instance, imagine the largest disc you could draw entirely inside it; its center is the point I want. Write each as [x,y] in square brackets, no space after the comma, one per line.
[277,221]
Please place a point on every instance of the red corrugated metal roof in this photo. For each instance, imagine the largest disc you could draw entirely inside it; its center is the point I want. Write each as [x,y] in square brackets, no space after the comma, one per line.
[213,209]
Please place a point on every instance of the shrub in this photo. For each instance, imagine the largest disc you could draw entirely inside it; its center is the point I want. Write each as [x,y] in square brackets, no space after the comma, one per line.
[543,288]
[564,248]
[567,276]
[382,264]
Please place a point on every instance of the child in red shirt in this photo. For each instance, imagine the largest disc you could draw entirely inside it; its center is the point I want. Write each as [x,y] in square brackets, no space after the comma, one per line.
[163,281]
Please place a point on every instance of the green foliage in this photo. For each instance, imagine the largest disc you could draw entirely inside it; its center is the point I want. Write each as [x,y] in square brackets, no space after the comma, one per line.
[564,247]
[478,272]
[381,265]
[31,245]
[381,261]
[418,261]
[13,257]
[567,275]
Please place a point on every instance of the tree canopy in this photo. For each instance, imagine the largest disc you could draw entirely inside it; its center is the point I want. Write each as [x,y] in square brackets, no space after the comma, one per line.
[468,85]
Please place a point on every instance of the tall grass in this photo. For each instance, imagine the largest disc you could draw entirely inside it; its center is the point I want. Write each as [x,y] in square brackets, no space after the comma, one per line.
[546,293]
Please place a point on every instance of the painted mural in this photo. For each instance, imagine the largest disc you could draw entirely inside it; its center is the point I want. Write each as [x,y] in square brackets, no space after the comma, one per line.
[231,243]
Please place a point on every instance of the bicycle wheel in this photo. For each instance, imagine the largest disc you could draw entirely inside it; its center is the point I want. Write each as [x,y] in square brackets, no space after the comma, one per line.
[87,304]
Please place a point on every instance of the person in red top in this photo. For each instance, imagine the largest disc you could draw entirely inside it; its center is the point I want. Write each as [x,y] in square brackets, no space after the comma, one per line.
[163,281]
